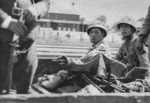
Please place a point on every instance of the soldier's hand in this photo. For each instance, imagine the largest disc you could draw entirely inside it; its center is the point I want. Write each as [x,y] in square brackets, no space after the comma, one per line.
[28,16]
[18,28]
[140,47]
[63,60]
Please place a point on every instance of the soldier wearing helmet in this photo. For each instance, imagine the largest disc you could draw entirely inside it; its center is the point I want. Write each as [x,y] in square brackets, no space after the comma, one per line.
[97,32]
[92,62]
[127,52]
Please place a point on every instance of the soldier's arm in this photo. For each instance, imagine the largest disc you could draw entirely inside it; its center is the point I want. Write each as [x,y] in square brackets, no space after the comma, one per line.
[7,22]
[40,8]
[119,55]
[104,49]
[5,19]
[85,62]
[145,27]
[143,58]
[3,15]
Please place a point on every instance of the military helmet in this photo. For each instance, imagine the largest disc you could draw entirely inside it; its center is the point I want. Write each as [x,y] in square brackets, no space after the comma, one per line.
[97,24]
[127,20]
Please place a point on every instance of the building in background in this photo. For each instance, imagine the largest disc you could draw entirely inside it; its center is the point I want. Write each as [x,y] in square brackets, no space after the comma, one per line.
[63,25]
[63,19]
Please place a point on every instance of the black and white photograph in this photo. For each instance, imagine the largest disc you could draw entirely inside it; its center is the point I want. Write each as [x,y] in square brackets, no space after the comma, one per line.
[74,51]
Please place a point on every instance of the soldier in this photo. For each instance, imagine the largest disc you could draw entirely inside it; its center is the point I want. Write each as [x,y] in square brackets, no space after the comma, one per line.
[144,36]
[92,62]
[25,67]
[127,53]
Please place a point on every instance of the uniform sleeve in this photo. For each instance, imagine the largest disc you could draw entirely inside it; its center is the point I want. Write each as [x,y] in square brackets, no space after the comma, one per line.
[146,26]
[5,19]
[143,58]
[83,64]
[3,15]
[119,55]
[40,8]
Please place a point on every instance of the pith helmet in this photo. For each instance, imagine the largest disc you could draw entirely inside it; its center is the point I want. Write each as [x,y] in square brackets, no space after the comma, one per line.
[127,20]
[97,24]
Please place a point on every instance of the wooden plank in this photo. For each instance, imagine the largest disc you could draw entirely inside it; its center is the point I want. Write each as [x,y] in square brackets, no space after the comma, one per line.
[78,98]
[61,50]
[51,51]
[56,46]
[40,89]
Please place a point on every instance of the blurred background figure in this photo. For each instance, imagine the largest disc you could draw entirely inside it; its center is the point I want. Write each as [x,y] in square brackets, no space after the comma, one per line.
[144,34]
[26,60]
[139,23]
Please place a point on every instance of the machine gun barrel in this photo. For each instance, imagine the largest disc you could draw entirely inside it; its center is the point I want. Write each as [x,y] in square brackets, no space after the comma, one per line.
[91,82]
[100,79]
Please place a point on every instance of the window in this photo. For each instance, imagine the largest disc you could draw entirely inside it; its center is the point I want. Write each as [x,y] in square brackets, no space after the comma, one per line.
[64,28]
[69,29]
[73,29]
[59,28]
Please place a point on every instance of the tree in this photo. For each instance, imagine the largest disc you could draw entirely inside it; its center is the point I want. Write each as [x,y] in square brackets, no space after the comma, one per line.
[102,18]
[82,19]
[141,19]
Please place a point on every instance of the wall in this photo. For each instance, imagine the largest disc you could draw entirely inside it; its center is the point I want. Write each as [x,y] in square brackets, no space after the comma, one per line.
[61,16]
[80,98]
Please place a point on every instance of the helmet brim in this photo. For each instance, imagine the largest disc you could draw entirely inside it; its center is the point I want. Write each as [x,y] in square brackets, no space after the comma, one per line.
[99,27]
[134,28]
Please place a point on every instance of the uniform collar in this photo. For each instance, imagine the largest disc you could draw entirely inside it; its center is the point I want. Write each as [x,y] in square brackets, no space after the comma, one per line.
[97,44]
[132,39]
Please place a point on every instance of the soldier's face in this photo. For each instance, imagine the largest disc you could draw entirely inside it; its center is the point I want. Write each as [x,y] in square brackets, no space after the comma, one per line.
[96,35]
[126,30]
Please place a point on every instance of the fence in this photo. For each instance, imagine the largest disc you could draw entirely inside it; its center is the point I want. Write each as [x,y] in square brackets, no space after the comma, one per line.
[51,52]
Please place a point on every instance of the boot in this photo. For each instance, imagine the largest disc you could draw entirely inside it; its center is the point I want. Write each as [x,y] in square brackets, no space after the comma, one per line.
[52,82]
[55,80]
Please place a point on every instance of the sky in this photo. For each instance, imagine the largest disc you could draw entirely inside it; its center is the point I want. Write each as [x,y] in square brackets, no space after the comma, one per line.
[113,9]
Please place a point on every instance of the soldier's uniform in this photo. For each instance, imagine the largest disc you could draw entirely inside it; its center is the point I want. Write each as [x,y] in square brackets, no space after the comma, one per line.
[127,52]
[92,62]
[25,68]
[145,31]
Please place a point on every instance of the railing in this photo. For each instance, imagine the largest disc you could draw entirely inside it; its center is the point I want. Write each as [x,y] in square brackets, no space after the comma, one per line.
[51,52]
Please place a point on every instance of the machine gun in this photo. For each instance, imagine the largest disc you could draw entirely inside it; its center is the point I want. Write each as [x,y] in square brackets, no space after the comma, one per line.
[109,84]
[88,80]
[103,85]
